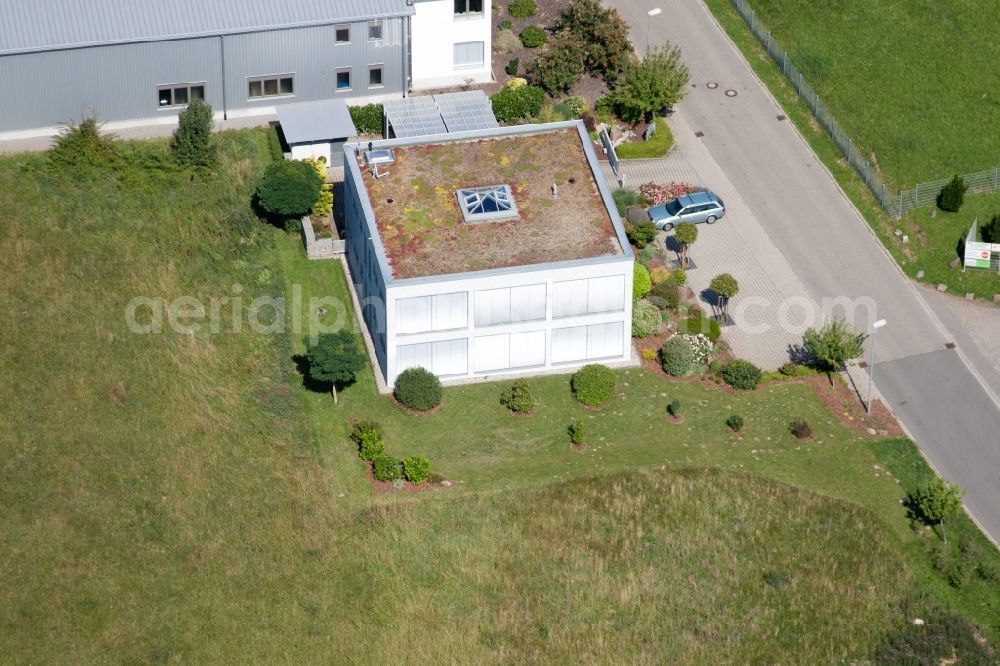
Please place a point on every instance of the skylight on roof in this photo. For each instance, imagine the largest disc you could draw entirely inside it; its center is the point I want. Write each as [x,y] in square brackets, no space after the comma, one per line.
[487,204]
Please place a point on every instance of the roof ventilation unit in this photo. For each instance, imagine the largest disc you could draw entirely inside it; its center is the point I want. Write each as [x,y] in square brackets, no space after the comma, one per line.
[379,156]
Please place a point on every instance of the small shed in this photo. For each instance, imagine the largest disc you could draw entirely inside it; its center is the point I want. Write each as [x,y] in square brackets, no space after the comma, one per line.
[317,129]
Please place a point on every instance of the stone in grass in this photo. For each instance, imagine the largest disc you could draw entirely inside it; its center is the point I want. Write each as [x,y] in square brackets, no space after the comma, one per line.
[996,298]
[942,288]
[920,275]
[969,296]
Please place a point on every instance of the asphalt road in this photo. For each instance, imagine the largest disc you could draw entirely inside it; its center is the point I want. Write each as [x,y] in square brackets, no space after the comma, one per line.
[942,403]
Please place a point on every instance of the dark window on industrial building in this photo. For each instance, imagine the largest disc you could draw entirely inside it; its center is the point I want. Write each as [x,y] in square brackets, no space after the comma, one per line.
[468,7]
[179,94]
[374,30]
[343,80]
[270,86]
[343,34]
[375,76]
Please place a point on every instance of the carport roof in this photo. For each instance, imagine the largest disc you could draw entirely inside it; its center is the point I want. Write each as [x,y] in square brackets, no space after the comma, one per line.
[309,122]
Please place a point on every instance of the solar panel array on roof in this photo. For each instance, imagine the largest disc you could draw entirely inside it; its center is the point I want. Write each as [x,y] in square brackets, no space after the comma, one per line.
[414,116]
[440,114]
[464,111]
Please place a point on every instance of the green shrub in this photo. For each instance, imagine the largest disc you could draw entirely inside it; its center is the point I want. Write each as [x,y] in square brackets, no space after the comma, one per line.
[789,369]
[944,638]
[594,385]
[646,319]
[676,356]
[800,428]
[518,398]
[506,42]
[324,205]
[575,431]
[522,8]
[192,142]
[649,354]
[367,118]
[735,422]
[533,37]
[367,435]
[657,81]
[777,578]
[668,291]
[416,469]
[957,565]
[680,276]
[741,374]
[707,327]
[512,67]
[952,195]
[560,66]
[658,303]
[674,408]
[625,197]
[991,230]
[641,234]
[82,146]
[641,282]
[274,144]
[577,106]
[506,24]
[512,104]
[386,468]
[418,388]
[289,188]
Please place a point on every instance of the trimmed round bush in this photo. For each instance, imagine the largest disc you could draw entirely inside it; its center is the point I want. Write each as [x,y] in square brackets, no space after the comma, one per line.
[386,468]
[594,385]
[646,319]
[741,374]
[522,8]
[517,102]
[289,187]
[800,429]
[533,37]
[416,469]
[507,42]
[735,422]
[641,284]
[518,397]
[707,327]
[676,356]
[418,388]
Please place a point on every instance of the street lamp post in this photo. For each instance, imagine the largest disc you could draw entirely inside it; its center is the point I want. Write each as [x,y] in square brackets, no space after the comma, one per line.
[871,363]
[655,11]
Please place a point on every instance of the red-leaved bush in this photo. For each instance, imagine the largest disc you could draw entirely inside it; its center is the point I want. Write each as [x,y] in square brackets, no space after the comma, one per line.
[657,194]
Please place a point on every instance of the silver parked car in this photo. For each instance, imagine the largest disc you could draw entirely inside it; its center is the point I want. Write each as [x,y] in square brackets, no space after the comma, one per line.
[695,208]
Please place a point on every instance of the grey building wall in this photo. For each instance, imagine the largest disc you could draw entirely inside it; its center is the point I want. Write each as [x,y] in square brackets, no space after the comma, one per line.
[120,82]
[363,260]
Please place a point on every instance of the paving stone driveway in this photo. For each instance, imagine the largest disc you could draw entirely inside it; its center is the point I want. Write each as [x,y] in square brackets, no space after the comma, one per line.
[772,309]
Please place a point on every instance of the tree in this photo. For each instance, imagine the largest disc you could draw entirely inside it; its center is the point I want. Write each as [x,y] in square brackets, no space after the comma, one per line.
[656,82]
[834,344]
[604,33]
[560,65]
[336,358]
[192,142]
[290,188]
[937,500]
[725,287]
[686,234]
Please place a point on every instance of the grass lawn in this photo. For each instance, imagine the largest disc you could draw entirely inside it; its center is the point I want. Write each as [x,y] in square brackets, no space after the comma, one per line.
[932,242]
[183,497]
[912,82]
[658,145]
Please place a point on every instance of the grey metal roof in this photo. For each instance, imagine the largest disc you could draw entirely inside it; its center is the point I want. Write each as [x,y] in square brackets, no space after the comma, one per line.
[464,111]
[440,114]
[48,25]
[306,122]
[414,116]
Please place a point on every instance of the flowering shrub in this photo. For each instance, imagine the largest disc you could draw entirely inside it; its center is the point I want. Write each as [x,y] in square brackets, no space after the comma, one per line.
[658,194]
[701,348]
[659,274]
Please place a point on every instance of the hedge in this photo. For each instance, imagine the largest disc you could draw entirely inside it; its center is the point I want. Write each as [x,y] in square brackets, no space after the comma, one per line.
[367,118]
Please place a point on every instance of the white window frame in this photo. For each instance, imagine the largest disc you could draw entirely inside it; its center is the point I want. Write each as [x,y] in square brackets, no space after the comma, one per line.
[472,65]
[338,28]
[381,68]
[350,79]
[468,13]
[381,30]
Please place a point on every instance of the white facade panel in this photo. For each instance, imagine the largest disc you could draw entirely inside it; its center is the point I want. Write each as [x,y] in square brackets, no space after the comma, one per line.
[492,307]
[450,357]
[569,298]
[450,311]
[527,349]
[448,48]
[492,352]
[569,344]
[415,315]
[606,294]
[414,356]
[604,340]
[527,303]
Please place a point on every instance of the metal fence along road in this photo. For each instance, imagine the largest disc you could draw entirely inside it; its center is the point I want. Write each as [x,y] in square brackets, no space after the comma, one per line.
[895,204]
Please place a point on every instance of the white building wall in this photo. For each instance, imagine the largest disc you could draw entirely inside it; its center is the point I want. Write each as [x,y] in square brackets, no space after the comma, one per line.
[539,319]
[435,31]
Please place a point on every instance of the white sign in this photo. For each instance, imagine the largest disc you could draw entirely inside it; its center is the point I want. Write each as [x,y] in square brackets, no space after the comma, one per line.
[977,255]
